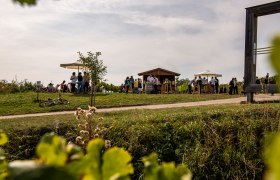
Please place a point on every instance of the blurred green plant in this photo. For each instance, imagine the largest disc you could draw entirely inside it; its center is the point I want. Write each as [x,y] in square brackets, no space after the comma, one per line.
[3,162]
[63,160]
[272,147]
[272,157]
[275,54]
[166,171]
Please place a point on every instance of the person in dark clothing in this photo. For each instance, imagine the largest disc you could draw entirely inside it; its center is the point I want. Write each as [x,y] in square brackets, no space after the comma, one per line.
[199,83]
[127,84]
[231,85]
[131,80]
[80,83]
[217,85]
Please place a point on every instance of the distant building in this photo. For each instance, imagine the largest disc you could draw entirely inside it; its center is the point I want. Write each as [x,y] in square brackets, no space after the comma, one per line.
[163,76]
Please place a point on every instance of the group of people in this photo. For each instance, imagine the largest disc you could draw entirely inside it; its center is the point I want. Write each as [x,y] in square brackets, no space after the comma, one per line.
[134,84]
[82,82]
[202,85]
[233,86]
[153,81]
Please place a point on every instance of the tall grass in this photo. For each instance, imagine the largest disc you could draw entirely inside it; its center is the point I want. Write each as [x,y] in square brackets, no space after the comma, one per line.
[216,142]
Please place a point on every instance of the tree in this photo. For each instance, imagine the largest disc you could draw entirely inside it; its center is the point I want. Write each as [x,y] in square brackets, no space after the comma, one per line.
[96,70]
[28,2]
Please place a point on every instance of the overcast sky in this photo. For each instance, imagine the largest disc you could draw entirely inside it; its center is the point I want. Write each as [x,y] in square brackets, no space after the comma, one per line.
[185,36]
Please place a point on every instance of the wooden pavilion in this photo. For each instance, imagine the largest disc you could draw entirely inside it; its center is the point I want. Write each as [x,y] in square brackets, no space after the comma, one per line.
[166,79]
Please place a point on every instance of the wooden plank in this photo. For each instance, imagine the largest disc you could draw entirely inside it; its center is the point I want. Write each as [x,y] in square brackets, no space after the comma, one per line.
[266,88]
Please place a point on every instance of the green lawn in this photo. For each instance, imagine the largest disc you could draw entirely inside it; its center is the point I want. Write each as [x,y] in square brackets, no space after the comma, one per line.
[25,103]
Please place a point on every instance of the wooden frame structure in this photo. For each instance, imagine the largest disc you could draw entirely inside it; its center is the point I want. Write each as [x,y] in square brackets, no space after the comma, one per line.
[252,14]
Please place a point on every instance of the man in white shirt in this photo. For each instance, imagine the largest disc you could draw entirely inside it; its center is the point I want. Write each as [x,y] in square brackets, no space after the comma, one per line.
[150,79]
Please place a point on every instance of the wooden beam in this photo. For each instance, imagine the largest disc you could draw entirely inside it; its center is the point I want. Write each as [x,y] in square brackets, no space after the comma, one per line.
[265,9]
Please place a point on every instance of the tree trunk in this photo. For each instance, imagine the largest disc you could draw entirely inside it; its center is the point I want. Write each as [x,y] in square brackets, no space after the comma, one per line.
[91,94]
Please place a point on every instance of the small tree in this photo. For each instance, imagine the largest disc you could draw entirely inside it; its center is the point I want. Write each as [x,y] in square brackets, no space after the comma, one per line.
[96,70]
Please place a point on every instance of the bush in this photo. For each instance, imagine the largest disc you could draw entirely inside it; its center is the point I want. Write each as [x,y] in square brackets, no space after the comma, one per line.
[14,86]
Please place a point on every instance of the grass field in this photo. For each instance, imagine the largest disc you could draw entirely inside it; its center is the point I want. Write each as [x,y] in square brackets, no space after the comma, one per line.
[218,142]
[25,103]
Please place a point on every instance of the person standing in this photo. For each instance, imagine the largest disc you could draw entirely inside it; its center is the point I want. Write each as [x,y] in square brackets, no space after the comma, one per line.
[80,83]
[86,82]
[235,86]
[131,82]
[73,79]
[139,86]
[127,84]
[155,85]
[231,85]
[266,83]
[199,82]
[217,85]
[190,83]
[212,83]
[62,86]
[135,89]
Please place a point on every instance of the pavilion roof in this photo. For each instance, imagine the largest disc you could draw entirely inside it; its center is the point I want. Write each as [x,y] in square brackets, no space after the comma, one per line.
[158,71]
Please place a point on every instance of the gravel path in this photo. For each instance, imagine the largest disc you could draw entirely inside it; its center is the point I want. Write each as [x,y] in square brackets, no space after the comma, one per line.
[259,97]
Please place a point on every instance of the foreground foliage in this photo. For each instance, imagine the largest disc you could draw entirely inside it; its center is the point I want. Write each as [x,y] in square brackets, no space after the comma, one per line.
[69,162]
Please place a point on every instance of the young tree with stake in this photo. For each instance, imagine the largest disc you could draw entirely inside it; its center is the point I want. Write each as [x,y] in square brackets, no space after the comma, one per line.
[96,71]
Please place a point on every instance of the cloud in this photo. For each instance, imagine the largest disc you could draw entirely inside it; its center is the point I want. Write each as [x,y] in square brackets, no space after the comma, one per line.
[134,36]
[165,23]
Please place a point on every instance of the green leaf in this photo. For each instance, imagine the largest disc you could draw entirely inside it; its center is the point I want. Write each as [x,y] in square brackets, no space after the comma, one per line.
[89,167]
[3,138]
[3,168]
[116,164]
[151,167]
[51,150]
[167,171]
[93,158]
[275,54]
[272,157]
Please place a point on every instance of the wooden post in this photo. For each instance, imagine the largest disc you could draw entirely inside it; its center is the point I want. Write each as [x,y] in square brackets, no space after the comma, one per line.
[250,59]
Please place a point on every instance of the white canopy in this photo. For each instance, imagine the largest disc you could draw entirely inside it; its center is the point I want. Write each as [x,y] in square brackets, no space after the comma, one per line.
[75,65]
[207,74]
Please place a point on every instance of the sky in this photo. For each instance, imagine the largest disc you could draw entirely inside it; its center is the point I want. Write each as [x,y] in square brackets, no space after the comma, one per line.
[184,36]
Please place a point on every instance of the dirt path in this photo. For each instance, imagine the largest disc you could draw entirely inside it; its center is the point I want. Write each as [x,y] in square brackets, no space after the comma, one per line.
[259,97]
